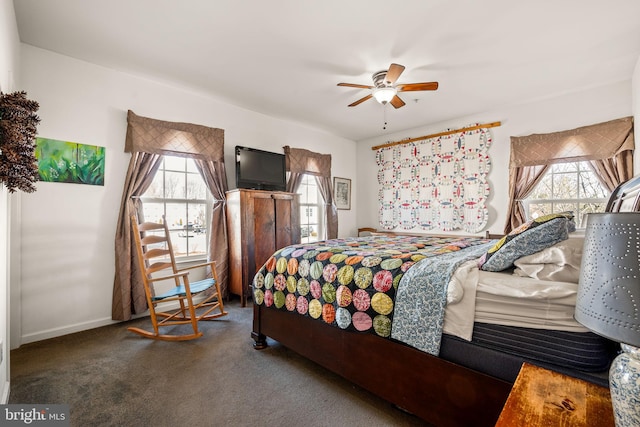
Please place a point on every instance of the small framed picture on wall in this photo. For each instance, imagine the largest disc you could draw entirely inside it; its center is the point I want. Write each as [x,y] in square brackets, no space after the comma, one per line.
[342,192]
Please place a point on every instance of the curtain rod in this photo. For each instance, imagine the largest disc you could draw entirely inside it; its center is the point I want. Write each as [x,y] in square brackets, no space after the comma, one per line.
[433,135]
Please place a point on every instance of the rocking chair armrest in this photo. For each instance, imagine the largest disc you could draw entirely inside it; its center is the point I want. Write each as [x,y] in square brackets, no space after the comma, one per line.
[169,276]
[212,264]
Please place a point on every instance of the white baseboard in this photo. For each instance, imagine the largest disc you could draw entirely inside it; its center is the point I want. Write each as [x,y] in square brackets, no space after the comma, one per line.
[79,327]
[70,329]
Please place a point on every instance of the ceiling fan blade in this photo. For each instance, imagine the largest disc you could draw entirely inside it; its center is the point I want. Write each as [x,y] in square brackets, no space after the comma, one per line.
[409,87]
[355,85]
[360,101]
[397,102]
[393,73]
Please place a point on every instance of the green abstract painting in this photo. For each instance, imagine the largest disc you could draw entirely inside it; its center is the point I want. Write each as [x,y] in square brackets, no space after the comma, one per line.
[62,161]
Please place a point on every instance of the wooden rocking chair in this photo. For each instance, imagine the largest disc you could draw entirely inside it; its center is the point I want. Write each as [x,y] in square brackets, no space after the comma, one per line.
[166,285]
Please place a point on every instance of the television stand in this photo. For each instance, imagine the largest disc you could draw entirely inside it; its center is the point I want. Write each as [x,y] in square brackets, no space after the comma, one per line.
[259,222]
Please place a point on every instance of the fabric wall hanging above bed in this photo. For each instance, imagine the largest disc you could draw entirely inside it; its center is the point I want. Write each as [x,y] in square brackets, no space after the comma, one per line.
[436,183]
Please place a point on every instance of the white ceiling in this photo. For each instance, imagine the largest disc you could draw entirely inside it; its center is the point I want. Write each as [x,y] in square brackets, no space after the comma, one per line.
[284,57]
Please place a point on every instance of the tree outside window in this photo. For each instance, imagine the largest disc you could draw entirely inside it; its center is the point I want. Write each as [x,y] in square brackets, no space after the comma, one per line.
[569,186]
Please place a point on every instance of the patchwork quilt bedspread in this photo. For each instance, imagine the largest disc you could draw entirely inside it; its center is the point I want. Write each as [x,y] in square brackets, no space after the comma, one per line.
[352,283]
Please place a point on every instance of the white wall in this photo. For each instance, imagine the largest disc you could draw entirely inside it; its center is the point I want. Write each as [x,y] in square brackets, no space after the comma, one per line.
[548,115]
[9,68]
[68,230]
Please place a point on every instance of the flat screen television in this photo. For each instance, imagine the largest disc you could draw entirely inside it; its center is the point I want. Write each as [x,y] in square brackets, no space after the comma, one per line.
[260,170]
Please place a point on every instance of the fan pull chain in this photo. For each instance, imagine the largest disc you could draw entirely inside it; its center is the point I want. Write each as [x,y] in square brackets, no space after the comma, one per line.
[384,115]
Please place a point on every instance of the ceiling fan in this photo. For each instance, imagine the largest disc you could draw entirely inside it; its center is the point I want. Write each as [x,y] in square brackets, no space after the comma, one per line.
[384,89]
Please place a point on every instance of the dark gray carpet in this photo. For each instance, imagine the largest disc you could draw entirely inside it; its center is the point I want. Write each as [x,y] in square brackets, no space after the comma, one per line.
[112,377]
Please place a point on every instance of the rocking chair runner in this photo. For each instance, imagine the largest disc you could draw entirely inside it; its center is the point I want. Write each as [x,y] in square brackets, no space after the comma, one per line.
[158,267]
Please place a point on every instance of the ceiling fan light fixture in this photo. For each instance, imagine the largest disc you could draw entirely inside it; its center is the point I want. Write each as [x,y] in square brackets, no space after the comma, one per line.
[385,89]
[384,94]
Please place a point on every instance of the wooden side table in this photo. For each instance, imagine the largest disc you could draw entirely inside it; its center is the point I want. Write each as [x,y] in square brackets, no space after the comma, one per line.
[540,397]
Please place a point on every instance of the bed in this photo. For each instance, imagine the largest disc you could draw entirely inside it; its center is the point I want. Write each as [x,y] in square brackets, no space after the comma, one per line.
[448,354]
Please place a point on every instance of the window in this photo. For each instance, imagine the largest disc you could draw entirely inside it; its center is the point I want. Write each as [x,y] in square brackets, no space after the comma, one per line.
[312,211]
[568,187]
[179,193]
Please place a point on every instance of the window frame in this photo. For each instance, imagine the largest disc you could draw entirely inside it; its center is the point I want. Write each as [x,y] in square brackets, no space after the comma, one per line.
[580,168]
[319,205]
[207,202]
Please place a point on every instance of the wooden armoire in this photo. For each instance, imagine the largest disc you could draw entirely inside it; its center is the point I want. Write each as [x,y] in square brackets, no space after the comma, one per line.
[259,223]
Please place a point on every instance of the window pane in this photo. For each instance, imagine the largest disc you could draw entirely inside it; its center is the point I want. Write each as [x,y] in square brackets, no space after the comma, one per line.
[565,207]
[175,185]
[312,197]
[565,186]
[310,214]
[565,167]
[156,188]
[153,211]
[176,219]
[303,194]
[309,233]
[195,231]
[539,209]
[590,187]
[188,233]
[198,215]
[179,242]
[543,190]
[196,243]
[176,215]
[196,189]
[175,163]
[587,208]
[191,166]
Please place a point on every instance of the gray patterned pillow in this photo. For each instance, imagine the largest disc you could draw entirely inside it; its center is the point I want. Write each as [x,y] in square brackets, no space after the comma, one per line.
[531,237]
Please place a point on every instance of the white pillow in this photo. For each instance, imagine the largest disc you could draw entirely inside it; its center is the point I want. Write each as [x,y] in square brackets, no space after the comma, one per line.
[455,292]
[560,262]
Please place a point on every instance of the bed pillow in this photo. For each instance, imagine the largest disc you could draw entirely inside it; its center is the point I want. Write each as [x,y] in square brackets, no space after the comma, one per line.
[560,262]
[531,237]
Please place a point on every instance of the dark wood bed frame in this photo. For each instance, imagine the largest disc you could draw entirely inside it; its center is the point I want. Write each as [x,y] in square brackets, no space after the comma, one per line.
[440,392]
[435,390]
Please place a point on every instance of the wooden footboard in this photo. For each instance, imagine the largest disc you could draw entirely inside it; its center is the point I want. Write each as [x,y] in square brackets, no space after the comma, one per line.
[439,392]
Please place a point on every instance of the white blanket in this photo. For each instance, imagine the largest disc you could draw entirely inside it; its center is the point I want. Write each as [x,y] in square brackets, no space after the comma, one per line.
[507,299]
